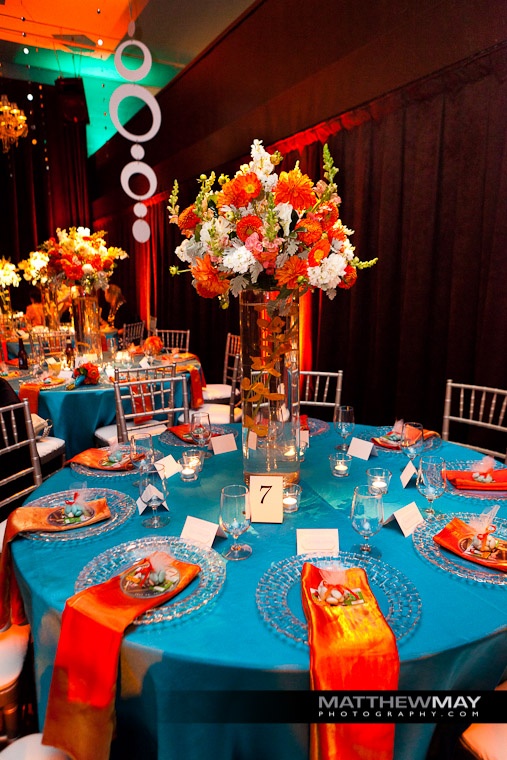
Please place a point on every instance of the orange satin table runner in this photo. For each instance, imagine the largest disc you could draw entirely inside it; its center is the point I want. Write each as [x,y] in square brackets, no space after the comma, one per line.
[93,458]
[352,648]
[457,537]
[465,480]
[26,519]
[80,715]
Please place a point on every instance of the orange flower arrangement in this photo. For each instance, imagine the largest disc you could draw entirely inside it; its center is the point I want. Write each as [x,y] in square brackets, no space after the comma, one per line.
[87,373]
[267,232]
[153,344]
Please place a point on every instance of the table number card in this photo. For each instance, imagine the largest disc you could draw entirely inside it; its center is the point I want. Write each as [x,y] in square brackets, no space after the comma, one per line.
[361,449]
[407,474]
[266,498]
[322,541]
[221,444]
[202,532]
[408,518]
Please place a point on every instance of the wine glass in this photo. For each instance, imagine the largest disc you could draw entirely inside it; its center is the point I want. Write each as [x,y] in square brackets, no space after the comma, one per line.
[200,430]
[412,439]
[367,515]
[235,518]
[344,424]
[153,492]
[142,453]
[431,482]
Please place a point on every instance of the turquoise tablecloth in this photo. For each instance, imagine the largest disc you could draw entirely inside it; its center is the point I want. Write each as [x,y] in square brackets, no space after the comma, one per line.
[459,643]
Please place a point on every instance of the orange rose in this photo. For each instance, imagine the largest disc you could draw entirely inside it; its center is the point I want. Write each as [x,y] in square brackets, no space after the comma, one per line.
[208,281]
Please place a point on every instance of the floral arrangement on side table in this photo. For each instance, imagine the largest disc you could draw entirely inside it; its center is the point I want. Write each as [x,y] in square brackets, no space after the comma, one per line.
[153,345]
[8,277]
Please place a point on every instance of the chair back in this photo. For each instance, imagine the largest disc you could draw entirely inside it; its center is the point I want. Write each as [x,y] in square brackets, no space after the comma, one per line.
[476,406]
[232,348]
[49,342]
[175,339]
[152,325]
[18,453]
[320,389]
[132,333]
[145,397]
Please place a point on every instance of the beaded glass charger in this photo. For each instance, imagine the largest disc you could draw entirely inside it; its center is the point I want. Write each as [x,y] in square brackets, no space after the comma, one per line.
[172,440]
[278,594]
[472,494]
[199,593]
[121,507]
[317,427]
[424,545]
[92,472]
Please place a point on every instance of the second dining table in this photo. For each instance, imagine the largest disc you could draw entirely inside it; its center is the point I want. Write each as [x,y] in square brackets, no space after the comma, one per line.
[243,629]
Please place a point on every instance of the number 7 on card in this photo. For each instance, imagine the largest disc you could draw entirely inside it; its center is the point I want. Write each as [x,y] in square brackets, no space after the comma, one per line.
[266,498]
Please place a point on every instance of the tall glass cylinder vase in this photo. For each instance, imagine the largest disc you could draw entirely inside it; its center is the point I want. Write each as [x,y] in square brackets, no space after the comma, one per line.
[86,318]
[49,300]
[269,327]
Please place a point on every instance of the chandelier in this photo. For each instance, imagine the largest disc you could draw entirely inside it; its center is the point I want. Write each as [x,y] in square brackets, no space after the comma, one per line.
[12,124]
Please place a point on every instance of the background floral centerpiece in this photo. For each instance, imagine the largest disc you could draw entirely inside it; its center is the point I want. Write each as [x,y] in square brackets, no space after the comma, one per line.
[9,277]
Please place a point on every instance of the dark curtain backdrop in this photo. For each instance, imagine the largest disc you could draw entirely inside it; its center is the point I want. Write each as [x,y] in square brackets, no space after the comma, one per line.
[44,179]
[424,185]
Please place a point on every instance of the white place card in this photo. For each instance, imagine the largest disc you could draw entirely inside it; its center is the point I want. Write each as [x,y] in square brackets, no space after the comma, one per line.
[252,440]
[304,436]
[266,498]
[407,474]
[408,518]
[171,466]
[323,541]
[144,363]
[360,449]
[148,491]
[221,444]
[202,532]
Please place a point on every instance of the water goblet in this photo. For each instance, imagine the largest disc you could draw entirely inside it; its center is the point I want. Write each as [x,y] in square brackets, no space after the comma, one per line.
[200,431]
[142,453]
[344,424]
[367,516]
[431,481]
[412,439]
[153,492]
[235,519]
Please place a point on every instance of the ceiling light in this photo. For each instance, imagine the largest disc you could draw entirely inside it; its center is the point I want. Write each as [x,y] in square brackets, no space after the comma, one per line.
[12,124]
[25,51]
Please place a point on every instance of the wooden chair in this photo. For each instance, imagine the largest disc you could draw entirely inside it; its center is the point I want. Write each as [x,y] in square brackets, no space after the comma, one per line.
[476,406]
[13,648]
[222,391]
[221,414]
[320,389]
[132,333]
[145,400]
[19,460]
[179,339]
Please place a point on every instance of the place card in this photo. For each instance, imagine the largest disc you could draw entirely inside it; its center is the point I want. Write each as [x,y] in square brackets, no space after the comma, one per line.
[144,363]
[322,541]
[360,449]
[252,440]
[171,466]
[304,437]
[221,444]
[407,474]
[202,532]
[408,518]
[266,498]
[148,491]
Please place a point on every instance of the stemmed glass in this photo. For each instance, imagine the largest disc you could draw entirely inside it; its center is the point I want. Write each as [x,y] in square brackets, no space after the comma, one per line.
[412,439]
[431,481]
[200,430]
[153,492]
[367,515]
[235,518]
[344,424]
[142,453]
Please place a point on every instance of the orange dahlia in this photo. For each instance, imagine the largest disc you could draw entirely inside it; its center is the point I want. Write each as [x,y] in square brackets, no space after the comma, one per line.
[309,231]
[208,281]
[319,252]
[240,190]
[292,270]
[188,220]
[328,215]
[247,226]
[349,278]
[295,188]
[336,232]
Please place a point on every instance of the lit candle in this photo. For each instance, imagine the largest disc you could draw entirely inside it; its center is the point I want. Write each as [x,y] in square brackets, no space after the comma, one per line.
[188,473]
[341,468]
[379,484]
[290,452]
[290,504]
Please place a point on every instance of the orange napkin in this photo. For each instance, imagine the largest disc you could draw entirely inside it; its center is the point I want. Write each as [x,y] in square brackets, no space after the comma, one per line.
[458,537]
[182,432]
[80,713]
[351,649]
[391,440]
[465,480]
[31,392]
[94,458]
[303,422]
[196,397]
[26,519]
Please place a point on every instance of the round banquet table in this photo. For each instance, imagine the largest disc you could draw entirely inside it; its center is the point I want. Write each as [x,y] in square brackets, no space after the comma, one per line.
[459,642]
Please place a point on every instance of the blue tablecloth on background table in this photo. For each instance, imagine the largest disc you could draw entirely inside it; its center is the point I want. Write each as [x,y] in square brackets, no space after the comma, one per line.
[459,643]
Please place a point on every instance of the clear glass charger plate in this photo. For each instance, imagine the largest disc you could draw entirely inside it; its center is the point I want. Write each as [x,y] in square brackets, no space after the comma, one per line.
[83,469]
[424,545]
[468,464]
[121,507]
[317,427]
[172,440]
[199,593]
[278,594]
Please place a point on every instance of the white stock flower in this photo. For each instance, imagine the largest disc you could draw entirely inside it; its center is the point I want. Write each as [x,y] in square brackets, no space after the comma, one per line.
[238,259]
[329,273]
[284,213]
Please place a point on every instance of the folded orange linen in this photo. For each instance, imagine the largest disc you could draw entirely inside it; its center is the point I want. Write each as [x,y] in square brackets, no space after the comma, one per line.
[462,539]
[34,518]
[31,392]
[391,440]
[351,648]
[465,480]
[303,422]
[196,397]
[80,714]
[95,459]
